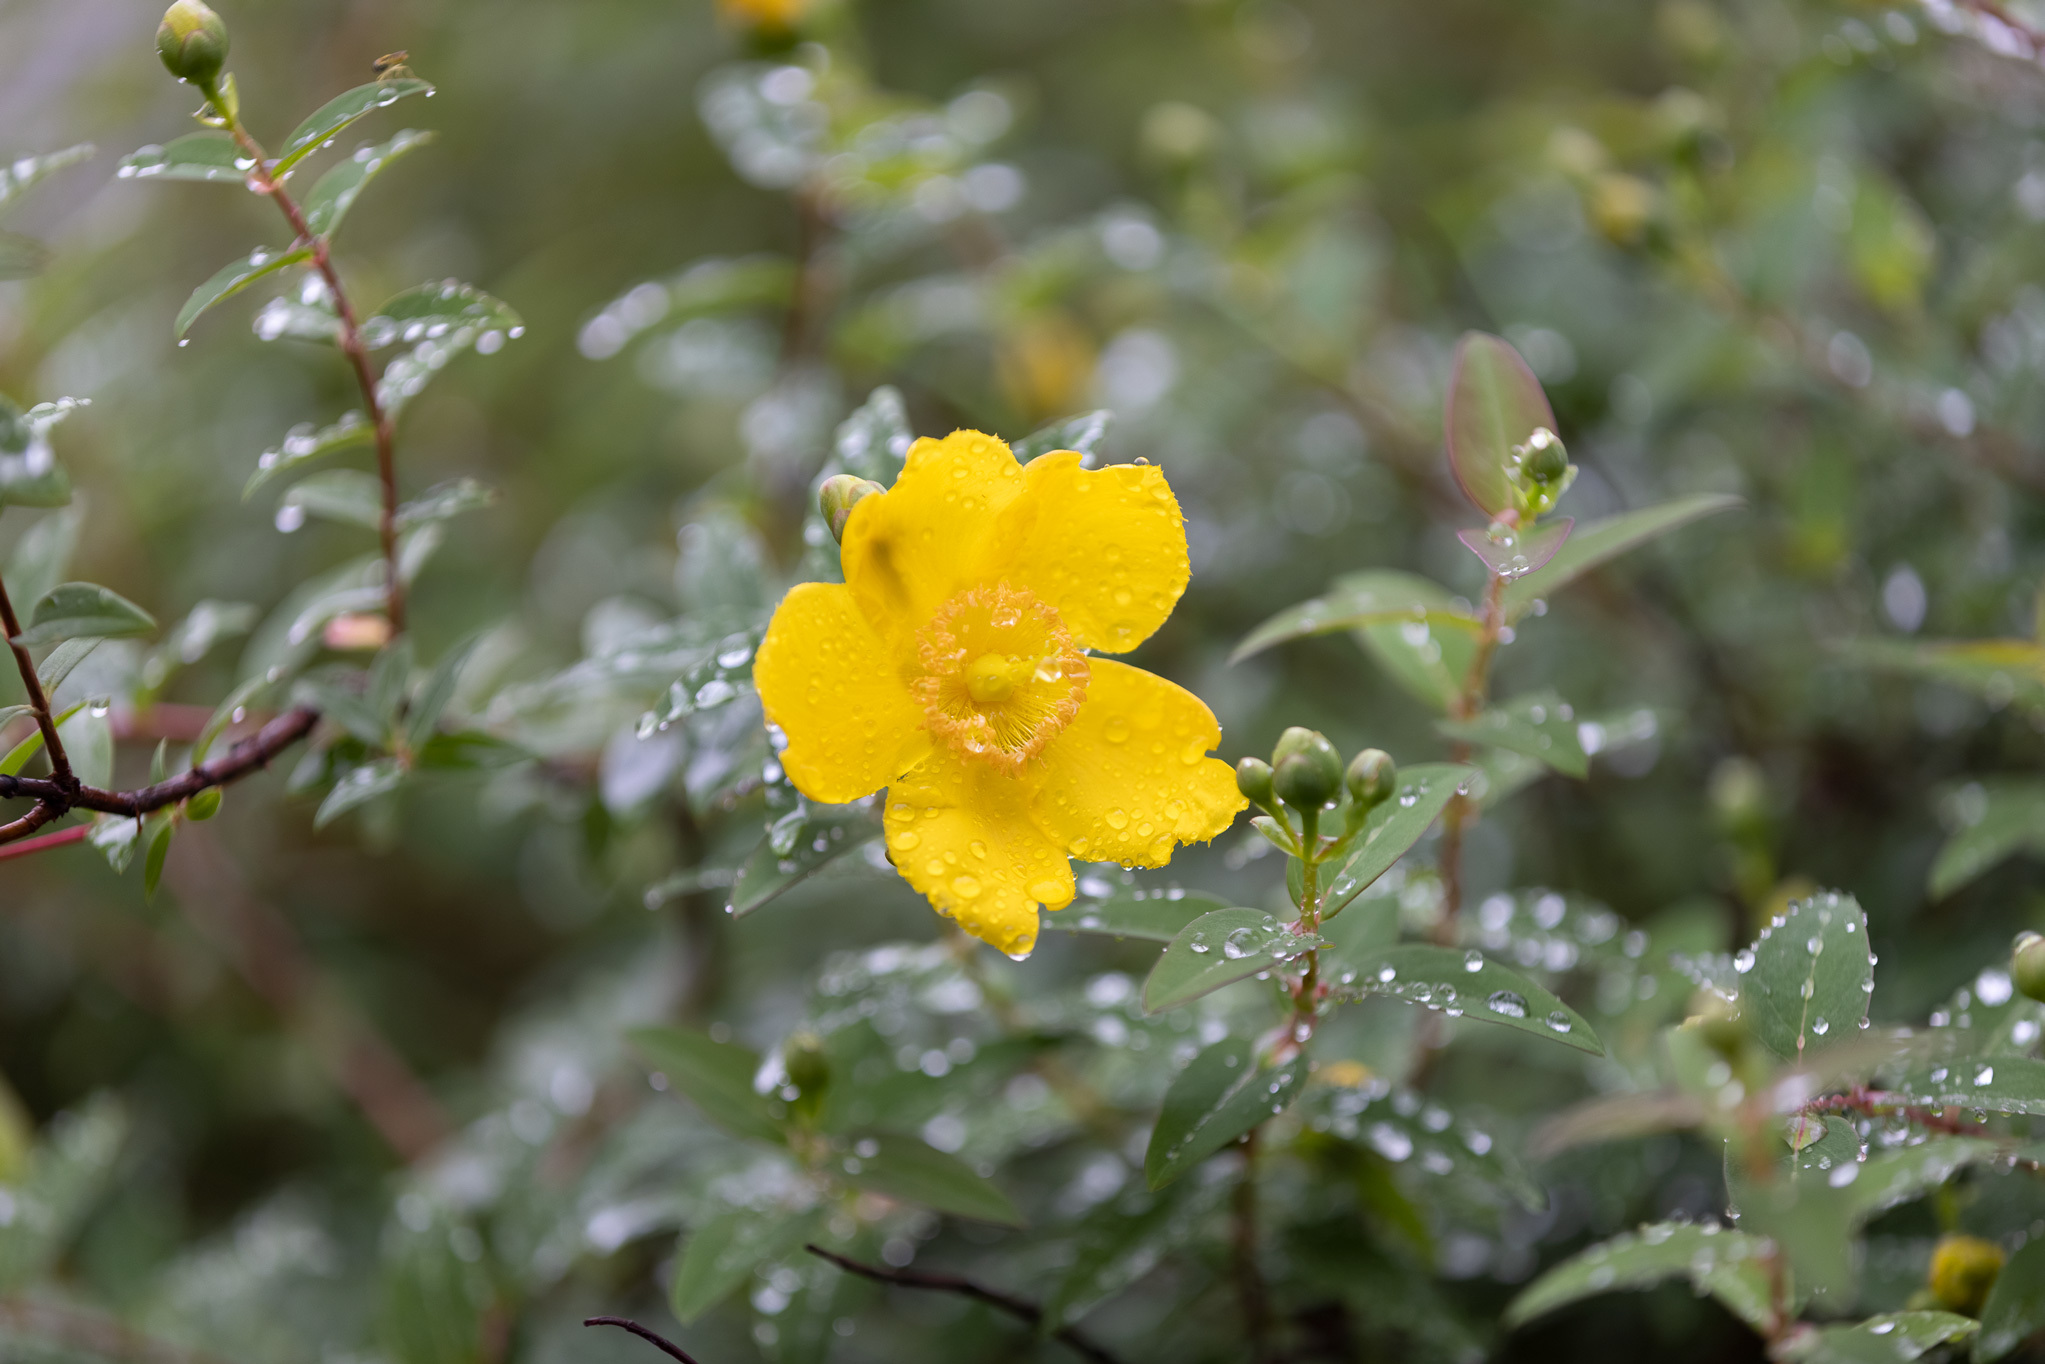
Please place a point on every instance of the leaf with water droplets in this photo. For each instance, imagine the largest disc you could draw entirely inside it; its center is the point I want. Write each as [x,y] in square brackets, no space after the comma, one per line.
[1153,916]
[445,501]
[2015,1310]
[1728,1265]
[208,156]
[915,1172]
[1082,433]
[1511,553]
[347,497]
[234,277]
[1988,1016]
[1540,725]
[873,442]
[715,678]
[1217,949]
[1407,1129]
[1996,1084]
[1222,1093]
[1809,973]
[338,113]
[303,444]
[1991,819]
[1363,600]
[432,311]
[17,177]
[719,1256]
[1892,1178]
[1465,984]
[1596,542]
[81,611]
[717,1075]
[357,787]
[1494,403]
[1883,1339]
[1124,1238]
[1391,830]
[334,193]
[820,835]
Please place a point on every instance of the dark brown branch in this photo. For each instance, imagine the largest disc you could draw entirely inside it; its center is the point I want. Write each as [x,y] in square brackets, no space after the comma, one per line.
[44,812]
[653,1337]
[1020,1308]
[60,763]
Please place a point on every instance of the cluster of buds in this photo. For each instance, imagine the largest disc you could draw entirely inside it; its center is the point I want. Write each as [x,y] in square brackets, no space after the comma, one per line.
[1540,472]
[1306,775]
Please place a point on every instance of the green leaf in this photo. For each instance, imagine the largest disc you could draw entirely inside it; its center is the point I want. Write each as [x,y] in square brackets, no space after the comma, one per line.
[209,156]
[309,315]
[303,444]
[431,311]
[347,496]
[1365,600]
[1540,725]
[337,694]
[1726,1264]
[1123,1240]
[1809,974]
[2015,1310]
[1893,1178]
[1392,829]
[59,662]
[1997,1084]
[874,441]
[1494,403]
[406,376]
[83,610]
[22,257]
[907,1169]
[445,501]
[824,834]
[157,831]
[361,785]
[431,702]
[1465,984]
[9,714]
[17,757]
[1999,670]
[29,473]
[87,733]
[236,276]
[1406,1129]
[1593,543]
[228,712]
[43,555]
[67,1174]
[1883,1339]
[1147,916]
[1992,819]
[116,837]
[1217,949]
[717,1075]
[206,625]
[338,113]
[1082,433]
[334,193]
[1222,1093]
[723,1253]
[1512,554]
[19,176]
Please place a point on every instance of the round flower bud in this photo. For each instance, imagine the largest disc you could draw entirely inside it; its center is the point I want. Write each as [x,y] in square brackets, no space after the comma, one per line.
[809,1070]
[1253,779]
[838,496]
[1717,1020]
[1546,460]
[2027,965]
[1963,1269]
[1370,777]
[203,806]
[1306,769]
[192,42]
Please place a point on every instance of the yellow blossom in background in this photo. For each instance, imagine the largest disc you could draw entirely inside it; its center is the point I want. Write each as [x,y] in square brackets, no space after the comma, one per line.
[775,14]
[951,666]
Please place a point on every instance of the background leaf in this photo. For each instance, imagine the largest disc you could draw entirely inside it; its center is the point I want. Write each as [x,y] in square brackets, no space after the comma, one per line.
[1222,1093]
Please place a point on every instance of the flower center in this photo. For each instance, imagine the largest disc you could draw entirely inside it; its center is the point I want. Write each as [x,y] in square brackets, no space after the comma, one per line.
[1000,674]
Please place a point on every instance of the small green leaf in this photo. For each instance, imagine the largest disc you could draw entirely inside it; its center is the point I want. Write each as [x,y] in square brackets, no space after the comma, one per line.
[1595,542]
[19,176]
[156,833]
[1541,726]
[1809,970]
[1082,433]
[83,610]
[59,662]
[1217,949]
[361,785]
[30,475]
[1465,984]
[1222,1093]
[43,555]
[1392,829]
[1883,1339]
[431,703]
[445,501]
[347,496]
[1893,1178]
[1512,554]
[234,277]
[907,1169]
[116,837]
[334,193]
[1364,600]
[302,444]
[1992,819]
[432,311]
[209,156]
[1154,916]
[1997,1084]
[1729,1265]
[723,1253]
[1123,1239]
[18,756]
[825,834]
[2015,1310]
[1494,403]
[717,1075]
[338,113]
[308,315]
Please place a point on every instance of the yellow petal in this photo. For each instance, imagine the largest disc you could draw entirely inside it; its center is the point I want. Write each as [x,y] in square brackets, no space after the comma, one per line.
[1105,547]
[1130,778]
[908,550]
[961,833]
[827,679]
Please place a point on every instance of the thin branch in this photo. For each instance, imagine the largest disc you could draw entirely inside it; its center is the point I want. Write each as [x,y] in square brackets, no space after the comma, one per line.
[60,763]
[654,1337]
[1251,1295]
[29,846]
[1874,1103]
[1020,1308]
[14,833]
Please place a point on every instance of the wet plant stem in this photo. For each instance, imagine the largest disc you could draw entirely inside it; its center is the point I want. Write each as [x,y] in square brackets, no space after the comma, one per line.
[1465,705]
[351,344]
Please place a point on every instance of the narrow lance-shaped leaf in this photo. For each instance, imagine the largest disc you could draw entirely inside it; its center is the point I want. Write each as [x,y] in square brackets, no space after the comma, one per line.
[431,702]
[915,1172]
[818,836]
[717,1075]
[1465,984]
[1494,403]
[234,277]
[1887,1336]
[1222,1093]
[19,176]
[431,311]
[209,156]
[303,444]
[371,781]
[1219,949]
[83,610]
[1083,433]
[723,1253]
[1808,975]
[347,496]
[1392,829]
[338,113]
[334,193]
[1596,542]
[1362,599]
[1729,1265]
[1147,916]
[1993,819]
[1994,1084]
[1541,726]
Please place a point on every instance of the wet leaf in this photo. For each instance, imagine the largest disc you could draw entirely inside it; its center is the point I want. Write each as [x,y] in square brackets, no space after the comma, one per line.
[1464,984]
[1727,1265]
[913,1171]
[1596,542]
[717,678]
[115,837]
[432,311]
[60,661]
[358,787]
[1409,1130]
[874,441]
[1540,725]
[334,193]
[1083,433]
[1219,948]
[1512,554]
[1892,1178]
[234,277]
[1123,1240]
[83,610]
[718,1257]
[2015,1310]
[1997,1084]
[304,443]
[29,473]
[1382,598]
[43,555]
[1883,1339]
[338,113]
[1222,1093]
[718,1076]
[1494,404]
[1152,916]
[823,835]
[19,176]
[1809,975]
[445,501]
[346,496]
[431,702]
[156,836]
[211,156]
[1392,829]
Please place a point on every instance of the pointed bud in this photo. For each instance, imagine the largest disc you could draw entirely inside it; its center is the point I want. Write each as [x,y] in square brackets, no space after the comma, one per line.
[1253,779]
[839,495]
[203,806]
[1306,769]
[1370,777]
[2027,965]
[809,1070]
[192,42]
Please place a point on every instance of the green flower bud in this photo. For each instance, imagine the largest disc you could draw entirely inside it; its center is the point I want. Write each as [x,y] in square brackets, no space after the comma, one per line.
[1370,777]
[1545,460]
[1717,1020]
[1306,769]
[2027,965]
[809,1070]
[203,806]
[1253,779]
[1963,1269]
[838,496]
[192,42]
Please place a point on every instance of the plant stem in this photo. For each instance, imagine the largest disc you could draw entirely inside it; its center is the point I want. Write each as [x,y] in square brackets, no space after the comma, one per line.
[28,847]
[658,1341]
[1251,1294]
[60,762]
[1466,704]
[352,346]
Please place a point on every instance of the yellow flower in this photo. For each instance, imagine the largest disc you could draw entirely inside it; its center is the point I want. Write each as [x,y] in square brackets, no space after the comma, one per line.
[951,667]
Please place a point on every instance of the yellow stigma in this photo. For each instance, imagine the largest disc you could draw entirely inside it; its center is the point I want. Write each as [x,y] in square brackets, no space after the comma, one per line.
[991,678]
[1001,675]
